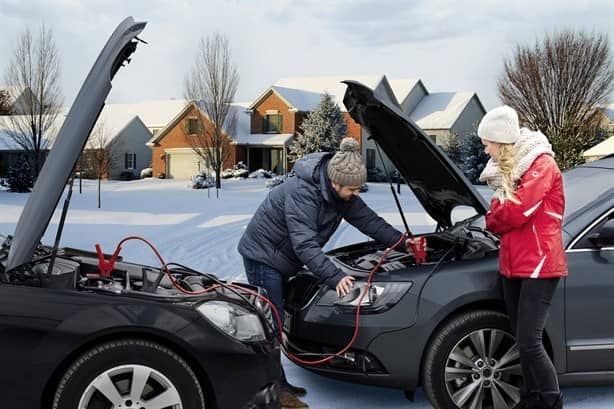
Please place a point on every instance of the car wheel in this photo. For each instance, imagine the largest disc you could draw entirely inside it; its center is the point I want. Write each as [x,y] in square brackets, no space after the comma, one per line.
[473,363]
[131,374]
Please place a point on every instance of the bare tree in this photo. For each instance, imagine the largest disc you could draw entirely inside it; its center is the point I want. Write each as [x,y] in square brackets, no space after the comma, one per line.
[557,86]
[5,102]
[98,157]
[211,86]
[33,75]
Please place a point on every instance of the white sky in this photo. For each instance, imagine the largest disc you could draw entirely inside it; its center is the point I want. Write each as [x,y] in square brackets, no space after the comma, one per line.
[452,45]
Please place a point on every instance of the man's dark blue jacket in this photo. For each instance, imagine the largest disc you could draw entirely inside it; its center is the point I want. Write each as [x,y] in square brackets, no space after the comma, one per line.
[298,217]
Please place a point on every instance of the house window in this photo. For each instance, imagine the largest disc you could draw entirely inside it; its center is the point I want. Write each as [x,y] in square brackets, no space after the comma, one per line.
[192,126]
[271,123]
[433,138]
[130,160]
[370,158]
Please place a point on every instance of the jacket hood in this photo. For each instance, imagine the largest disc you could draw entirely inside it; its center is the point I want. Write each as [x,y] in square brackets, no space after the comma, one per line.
[70,142]
[307,167]
[435,180]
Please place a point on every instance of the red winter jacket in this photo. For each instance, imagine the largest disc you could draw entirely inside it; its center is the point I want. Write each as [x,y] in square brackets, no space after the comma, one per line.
[531,239]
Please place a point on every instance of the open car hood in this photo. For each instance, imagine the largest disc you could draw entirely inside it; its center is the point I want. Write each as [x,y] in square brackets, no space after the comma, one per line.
[435,180]
[70,142]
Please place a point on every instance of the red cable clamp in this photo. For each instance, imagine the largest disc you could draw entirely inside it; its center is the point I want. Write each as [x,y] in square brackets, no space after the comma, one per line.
[419,248]
[106,267]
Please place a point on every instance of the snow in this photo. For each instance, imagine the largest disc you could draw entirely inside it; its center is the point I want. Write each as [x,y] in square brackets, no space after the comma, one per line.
[263,139]
[195,228]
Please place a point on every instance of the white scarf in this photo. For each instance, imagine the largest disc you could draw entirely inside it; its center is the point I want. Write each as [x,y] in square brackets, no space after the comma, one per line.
[528,147]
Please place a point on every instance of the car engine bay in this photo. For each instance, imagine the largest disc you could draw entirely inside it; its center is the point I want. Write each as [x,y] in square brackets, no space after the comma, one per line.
[461,242]
[79,269]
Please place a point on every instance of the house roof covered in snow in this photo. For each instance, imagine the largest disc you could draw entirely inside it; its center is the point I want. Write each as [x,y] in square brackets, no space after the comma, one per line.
[440,110]
[601,149]
[154,114]
[336,88]
[264,139]
[608,110]
[7,142]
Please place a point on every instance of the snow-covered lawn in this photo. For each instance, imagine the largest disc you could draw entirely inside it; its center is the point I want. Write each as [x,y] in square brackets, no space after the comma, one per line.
[195,228]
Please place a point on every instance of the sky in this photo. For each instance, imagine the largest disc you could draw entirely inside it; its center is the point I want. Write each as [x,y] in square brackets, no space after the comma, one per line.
[451,45]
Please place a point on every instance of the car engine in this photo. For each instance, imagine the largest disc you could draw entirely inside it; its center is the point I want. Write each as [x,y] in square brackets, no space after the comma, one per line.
[462,242]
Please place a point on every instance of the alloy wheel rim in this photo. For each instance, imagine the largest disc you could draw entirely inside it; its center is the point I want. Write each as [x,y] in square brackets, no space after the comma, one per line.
[130,387]
[483,371]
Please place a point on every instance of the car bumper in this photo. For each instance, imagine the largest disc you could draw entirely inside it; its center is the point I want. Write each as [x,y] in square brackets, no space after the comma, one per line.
[239,375]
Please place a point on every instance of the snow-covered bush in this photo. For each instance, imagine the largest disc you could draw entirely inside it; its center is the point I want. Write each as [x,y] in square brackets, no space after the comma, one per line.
[202,181]
[240,173]
[261,174]
[146,173]
[20,176]
[364,188]
[240,170]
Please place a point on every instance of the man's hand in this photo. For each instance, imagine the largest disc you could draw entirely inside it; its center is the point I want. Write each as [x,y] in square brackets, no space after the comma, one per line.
[408,245]
[343,287]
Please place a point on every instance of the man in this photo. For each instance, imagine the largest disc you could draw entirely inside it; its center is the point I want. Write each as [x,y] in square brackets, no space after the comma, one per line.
[297,218]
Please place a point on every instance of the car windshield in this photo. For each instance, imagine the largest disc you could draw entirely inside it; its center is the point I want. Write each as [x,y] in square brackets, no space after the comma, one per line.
[584,185]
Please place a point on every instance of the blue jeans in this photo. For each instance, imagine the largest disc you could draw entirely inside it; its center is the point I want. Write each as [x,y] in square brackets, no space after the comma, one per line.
[273,282]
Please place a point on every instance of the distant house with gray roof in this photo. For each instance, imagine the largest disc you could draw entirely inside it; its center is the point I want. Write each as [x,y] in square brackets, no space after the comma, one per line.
[439,114]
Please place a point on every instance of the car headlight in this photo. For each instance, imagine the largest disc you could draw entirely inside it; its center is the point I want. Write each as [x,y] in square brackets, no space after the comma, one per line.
[234,320]
[379,297]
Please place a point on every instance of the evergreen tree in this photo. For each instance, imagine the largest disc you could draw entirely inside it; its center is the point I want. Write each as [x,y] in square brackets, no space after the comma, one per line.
[20,176]
[321,130]
[474,158]
[454,150]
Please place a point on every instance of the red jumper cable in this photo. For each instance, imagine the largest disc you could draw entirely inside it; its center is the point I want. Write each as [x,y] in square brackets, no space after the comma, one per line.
[418,247]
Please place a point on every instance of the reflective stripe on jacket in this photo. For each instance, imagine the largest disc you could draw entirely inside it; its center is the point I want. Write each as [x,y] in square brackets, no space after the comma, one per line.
[531,236]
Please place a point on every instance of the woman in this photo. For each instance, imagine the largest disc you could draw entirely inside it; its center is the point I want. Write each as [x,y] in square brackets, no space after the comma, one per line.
[527,212]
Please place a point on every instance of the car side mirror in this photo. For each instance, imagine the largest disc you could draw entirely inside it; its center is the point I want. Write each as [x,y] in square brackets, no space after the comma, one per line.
[604,237]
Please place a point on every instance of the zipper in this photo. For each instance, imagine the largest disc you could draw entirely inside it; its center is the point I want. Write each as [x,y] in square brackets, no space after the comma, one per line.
[539,246]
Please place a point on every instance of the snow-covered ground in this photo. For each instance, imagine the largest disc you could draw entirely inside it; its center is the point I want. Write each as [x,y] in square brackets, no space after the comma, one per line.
[195,228]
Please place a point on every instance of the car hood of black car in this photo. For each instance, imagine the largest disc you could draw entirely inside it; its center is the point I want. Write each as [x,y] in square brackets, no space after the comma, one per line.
[437,182]
[70,142]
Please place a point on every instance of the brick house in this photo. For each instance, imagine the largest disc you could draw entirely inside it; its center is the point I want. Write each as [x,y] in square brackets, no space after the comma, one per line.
[275,118]
[172,151]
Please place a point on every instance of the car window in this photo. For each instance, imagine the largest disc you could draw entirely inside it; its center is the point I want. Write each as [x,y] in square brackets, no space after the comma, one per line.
[583,186]
[584,242]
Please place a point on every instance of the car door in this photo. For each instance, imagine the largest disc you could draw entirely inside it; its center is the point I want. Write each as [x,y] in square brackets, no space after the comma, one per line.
[589,293]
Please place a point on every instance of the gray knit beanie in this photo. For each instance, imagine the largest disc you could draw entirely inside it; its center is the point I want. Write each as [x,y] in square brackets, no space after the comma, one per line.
[346,167]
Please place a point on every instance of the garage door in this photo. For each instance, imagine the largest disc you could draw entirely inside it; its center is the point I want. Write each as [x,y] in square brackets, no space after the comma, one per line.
[183,165]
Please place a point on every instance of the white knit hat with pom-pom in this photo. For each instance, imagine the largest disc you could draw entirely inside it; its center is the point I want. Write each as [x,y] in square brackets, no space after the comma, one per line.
[346,167]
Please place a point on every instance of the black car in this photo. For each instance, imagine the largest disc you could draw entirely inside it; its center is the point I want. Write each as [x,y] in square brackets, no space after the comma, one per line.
[78,332]
[442,324]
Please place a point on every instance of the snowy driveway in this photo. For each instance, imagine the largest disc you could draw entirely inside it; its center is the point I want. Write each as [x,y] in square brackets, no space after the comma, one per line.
[202,232]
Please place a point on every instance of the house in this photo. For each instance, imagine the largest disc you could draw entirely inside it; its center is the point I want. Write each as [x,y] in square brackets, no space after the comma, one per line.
[19,98]
[122,136]
[172,147]
[606,147]
[440,114]
[10,150]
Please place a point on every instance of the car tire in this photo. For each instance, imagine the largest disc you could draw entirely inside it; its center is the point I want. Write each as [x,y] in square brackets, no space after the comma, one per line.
[473,357]
[157,372]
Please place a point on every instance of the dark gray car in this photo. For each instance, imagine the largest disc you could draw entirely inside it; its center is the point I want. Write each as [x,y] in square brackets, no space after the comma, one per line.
[442,324]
